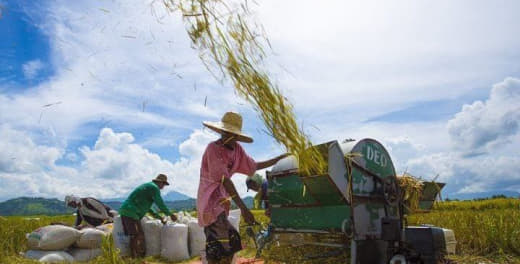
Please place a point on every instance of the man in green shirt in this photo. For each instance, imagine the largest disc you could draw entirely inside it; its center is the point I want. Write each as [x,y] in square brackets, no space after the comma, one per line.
[136,206]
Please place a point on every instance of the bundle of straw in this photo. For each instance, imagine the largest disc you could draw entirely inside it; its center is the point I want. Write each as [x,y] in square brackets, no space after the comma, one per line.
[412,190]
[231,48]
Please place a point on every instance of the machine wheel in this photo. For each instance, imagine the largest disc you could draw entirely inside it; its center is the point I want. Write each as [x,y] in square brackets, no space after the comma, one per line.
[398,259]
[391,190]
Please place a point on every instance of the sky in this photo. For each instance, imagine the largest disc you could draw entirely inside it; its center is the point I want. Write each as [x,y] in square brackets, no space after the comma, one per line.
[97,97]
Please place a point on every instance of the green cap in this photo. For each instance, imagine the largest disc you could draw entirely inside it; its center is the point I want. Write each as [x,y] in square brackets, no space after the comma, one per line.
[257,178]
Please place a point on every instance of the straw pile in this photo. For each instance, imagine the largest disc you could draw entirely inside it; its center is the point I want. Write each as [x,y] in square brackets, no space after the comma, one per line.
[411,188]
[231,48]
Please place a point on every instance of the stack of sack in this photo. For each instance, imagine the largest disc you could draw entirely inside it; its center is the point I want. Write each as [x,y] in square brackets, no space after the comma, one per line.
[169,240]
[174,241]
[59,243]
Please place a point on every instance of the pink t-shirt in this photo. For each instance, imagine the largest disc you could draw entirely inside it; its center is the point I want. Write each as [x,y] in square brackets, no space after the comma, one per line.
[219,161]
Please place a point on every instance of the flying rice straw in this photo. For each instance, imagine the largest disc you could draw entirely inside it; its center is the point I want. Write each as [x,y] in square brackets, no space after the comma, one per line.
[230,48]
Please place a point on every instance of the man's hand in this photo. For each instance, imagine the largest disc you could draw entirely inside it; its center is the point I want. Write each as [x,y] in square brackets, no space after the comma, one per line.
[268,163]
[268,212]
[248,216]
[79,227]
[173,217]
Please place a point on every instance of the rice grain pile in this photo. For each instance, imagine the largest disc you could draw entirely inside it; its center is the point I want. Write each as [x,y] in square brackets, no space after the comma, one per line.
[231,46]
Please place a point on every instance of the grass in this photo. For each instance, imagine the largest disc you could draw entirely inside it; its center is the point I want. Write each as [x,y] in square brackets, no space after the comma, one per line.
[487,231]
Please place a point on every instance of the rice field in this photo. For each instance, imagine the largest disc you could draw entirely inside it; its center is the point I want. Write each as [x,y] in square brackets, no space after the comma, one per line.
[487,231]
[484,228]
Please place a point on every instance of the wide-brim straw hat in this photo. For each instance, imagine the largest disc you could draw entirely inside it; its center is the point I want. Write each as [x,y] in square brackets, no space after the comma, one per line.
[161,178]
[231,122]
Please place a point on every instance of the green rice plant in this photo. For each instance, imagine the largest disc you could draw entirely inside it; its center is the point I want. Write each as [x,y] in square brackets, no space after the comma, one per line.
[110,253]
[478,232]
[501,203]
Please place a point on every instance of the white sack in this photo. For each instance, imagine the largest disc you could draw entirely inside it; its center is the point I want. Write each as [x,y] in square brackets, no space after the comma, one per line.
[53,237]
[90,238]
[174,242]
[84,254]
[38,254]
[121,241]
[184,217]
[234,219]
[152,236]
[57,257]
[196,239]
[107,228]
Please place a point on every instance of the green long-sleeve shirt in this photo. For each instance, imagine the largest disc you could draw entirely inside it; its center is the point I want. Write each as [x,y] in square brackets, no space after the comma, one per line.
[140,201]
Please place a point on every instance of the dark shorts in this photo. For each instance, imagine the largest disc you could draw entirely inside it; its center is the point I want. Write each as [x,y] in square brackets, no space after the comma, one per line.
[222,239]
[131,227]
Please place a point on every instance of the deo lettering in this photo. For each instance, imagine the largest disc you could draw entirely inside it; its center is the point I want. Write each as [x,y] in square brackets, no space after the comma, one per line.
[376,156]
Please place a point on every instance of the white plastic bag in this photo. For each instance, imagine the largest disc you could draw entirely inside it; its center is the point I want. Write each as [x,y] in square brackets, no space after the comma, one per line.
[85,254]
[53,237]
[234,218]
[121,241]
[152,236]
[90,238]
[57,257]
[174,242]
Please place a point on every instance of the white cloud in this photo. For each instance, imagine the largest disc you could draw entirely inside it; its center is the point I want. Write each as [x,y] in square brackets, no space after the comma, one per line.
[463,175]
[347,61]
[371,58]
[111,168]
[32,68]
[195,146]
[25,166]
[103,73]
[21,155]
[485,125]
[402,149]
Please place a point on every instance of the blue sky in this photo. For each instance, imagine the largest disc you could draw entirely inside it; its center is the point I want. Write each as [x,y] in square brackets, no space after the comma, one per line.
[99,96]
[22,43]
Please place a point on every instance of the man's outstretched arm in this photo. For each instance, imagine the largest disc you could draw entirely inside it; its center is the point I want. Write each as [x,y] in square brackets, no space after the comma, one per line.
[268,163]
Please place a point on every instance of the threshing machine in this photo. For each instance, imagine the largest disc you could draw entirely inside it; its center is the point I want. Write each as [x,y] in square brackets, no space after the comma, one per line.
[356,205]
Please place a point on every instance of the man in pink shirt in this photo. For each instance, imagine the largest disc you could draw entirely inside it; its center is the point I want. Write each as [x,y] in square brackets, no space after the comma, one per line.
[221,160]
